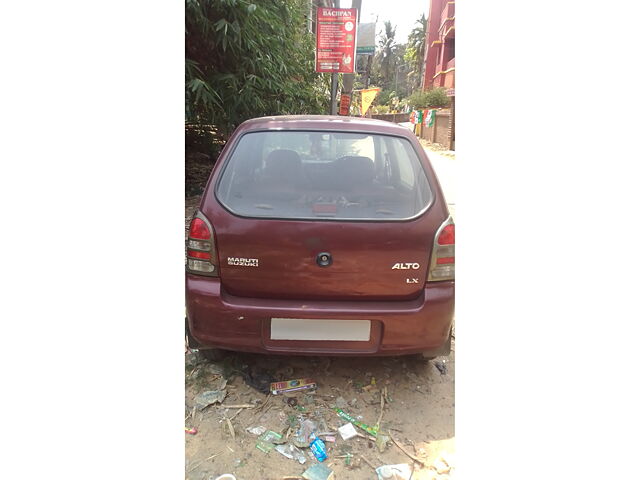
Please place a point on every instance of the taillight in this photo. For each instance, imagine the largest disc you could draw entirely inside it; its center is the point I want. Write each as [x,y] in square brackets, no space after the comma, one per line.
[198,229]
[443,254]
[201,248]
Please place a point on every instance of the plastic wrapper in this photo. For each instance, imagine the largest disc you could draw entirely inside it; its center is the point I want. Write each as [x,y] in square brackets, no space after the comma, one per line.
[292,452]
[370,430]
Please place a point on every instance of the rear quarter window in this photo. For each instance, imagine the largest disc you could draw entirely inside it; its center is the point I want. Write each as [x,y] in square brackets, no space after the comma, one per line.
[330,175]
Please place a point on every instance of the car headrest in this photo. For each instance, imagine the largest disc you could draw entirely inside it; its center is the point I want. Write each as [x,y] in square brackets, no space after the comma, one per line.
[282,164]
[355,170]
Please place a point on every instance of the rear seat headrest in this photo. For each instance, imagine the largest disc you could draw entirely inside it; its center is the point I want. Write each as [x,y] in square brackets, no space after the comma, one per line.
[282,163]
[355,170]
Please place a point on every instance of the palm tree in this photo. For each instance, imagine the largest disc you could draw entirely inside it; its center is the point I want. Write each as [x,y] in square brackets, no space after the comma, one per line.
[386,55]
[415,50]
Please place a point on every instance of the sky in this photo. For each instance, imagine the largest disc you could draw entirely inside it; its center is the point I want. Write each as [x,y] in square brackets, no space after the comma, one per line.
[402,13]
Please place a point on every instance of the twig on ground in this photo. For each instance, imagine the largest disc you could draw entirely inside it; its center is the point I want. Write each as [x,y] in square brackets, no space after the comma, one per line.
[213,456]
[412,457]
[368,462]
[231,430]
[235,414]
[244,405]
[197,464]
[365,436]
[264,404]
[260,409]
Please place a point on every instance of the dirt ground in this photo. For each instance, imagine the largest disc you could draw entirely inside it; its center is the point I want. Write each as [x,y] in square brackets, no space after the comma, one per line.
[419,414]
[418,410]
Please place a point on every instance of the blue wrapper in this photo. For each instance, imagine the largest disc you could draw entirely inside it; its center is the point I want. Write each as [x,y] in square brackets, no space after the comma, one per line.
[319,450]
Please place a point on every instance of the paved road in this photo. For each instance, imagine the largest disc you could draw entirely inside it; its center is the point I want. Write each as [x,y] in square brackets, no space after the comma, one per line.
[444,164]
[446,169]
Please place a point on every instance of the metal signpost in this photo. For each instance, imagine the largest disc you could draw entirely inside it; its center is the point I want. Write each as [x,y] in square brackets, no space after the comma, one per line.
[336,35]
[366,39]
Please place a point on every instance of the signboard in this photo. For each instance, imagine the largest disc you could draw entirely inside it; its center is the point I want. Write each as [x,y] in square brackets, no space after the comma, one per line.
[336,40]
[345,103]
[366,41]
[451,92]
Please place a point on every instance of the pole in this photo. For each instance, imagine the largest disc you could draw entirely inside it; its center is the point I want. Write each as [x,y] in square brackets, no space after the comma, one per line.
[395,87]
[334,93]
[348,78]
[334,76]
[367,71]
[452,129]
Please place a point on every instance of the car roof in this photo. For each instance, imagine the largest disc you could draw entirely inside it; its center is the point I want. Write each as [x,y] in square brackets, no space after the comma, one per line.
[324,122]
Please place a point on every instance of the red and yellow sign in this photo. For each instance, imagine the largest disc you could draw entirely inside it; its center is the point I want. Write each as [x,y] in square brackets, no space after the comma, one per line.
[367,98]
[336,40]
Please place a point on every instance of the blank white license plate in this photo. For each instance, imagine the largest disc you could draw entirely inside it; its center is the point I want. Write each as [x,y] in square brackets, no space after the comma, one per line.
[305,329]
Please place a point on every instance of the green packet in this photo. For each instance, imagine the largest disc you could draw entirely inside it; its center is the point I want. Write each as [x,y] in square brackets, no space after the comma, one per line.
[370,430]
[267,441]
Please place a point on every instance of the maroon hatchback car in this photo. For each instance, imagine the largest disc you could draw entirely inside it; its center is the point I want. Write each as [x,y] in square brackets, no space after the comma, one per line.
[321,235]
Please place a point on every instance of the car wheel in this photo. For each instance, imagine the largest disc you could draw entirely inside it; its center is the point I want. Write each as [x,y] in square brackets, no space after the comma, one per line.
[212,354]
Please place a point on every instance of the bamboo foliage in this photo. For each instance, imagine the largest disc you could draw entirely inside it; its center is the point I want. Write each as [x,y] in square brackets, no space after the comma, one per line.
[249,58]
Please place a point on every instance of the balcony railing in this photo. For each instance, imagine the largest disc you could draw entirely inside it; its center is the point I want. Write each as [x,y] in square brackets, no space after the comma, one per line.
[448,12]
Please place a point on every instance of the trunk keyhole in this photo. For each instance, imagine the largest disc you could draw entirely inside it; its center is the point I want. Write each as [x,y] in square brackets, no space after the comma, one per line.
[324,259]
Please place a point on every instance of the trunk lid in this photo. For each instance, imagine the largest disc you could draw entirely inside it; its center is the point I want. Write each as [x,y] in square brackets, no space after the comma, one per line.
[368,261]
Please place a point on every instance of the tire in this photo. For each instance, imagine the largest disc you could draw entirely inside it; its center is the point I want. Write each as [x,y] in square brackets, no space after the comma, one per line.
[443,351]
[211,354]
[192,343]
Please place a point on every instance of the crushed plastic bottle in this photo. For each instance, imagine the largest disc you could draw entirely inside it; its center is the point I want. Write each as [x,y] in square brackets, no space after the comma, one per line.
[302,437]
[318,448]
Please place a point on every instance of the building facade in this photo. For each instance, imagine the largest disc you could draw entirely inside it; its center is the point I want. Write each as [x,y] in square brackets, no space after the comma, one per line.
[439,59]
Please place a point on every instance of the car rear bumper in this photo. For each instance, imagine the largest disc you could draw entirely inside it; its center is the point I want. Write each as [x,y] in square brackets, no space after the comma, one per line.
[219,320]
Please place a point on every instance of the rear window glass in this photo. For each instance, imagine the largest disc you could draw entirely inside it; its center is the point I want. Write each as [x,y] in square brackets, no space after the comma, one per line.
[333,175]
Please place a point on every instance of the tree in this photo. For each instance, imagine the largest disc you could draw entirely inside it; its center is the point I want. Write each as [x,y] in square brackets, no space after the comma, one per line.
[414,54]
[389,70]
[385,56]
[249,58]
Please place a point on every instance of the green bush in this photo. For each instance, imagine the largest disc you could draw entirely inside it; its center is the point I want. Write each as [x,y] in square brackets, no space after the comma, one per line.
[435,98]
[249,58]
[384,97]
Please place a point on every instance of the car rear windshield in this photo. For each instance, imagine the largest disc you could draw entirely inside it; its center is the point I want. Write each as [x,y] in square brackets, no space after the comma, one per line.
[330,175]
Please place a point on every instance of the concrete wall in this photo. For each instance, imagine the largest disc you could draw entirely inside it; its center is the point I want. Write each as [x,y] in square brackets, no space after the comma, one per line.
[441,131]
[392,117]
